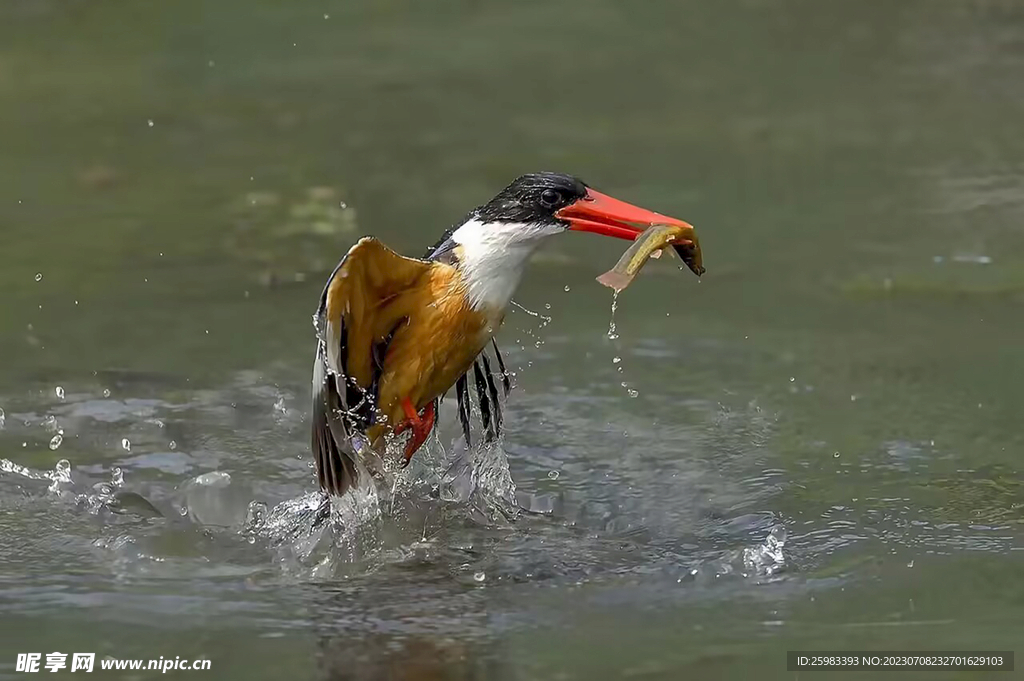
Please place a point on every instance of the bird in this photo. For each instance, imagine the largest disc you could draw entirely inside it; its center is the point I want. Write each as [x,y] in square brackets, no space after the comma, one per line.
[394,334]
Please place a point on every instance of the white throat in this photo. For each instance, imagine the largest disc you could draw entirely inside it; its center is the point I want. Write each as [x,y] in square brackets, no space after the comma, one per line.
[494,257]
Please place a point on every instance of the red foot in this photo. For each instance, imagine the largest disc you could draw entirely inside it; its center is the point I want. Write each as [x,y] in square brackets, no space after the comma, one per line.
[421,425]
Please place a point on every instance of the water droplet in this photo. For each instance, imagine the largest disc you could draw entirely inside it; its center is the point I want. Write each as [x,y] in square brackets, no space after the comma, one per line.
[632,393]
[792,379]
[553,475]
[910,564]
[853,398]
[60,392]
[327,16]
[616,360]
[255,515]
[3,417]
[479,577]
[836,455]
[611,324]
[56,440]
[547,306]
[62,471]
[39,276]
[566,289]
[106,392]
[172,444]
[126,444]
[150,122]
[50,423]
[116,476]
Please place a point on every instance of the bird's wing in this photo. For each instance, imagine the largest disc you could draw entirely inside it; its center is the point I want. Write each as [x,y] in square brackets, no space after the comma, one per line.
[359,311]
[488,395]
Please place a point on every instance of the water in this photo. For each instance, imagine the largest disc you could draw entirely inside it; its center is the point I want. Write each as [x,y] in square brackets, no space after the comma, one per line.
[855,171]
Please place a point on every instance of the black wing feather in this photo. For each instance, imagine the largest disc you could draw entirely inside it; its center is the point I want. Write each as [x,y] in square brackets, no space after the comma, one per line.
[492,391]
[462,395]
[488,396]
[484,401]
[506,380]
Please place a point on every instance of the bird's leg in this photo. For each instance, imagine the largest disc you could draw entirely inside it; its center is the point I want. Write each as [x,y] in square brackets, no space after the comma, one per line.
[421,425]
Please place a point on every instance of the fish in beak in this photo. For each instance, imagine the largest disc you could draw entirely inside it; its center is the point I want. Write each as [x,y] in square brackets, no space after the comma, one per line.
[602,214]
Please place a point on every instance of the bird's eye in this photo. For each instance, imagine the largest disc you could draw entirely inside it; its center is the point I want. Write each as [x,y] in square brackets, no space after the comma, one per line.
[549,197]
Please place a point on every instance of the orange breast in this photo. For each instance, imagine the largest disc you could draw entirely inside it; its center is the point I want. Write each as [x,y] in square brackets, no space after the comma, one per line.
[438,343]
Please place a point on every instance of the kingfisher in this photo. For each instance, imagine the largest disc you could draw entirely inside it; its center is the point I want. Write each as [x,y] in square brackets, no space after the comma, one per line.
[395,334]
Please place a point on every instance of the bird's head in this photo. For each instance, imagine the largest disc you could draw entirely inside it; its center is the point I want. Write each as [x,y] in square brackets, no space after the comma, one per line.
[542,204]
[495,240]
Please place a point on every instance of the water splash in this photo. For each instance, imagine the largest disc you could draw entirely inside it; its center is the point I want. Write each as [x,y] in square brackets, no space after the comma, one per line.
[126,444]
[530,312]
[8,466]
[767,558]
[60,477]
[544,321]
[92,497]
[480,478]
[60,392]
[255,517]
[56,440]
[214,500]
[3,418]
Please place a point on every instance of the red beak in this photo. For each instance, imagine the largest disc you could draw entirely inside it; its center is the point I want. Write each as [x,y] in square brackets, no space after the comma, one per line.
[602,214]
